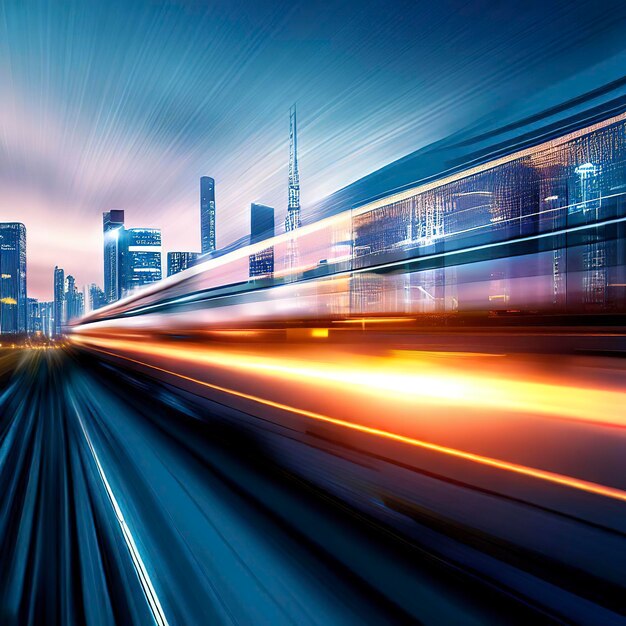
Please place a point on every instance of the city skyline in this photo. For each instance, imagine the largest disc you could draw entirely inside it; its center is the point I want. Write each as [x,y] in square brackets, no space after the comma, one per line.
[132,258]
[91,130]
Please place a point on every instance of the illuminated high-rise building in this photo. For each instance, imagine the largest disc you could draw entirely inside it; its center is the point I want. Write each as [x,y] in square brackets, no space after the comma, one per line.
[46,316]
[74,300]
[132,256]
[13,301]
[93,297]
[179,261]
[141,253]
[113,230]
[261,227]
[292,221]
[33,316]
[207,214]
[59,301]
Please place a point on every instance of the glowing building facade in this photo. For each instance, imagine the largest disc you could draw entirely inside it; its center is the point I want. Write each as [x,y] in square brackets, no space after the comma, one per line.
[74,300]
[46,317]
[207,214]
[141,258]
[132,256]
[94,298]
[113,229]
[59,301]
[180,261]
[13,299]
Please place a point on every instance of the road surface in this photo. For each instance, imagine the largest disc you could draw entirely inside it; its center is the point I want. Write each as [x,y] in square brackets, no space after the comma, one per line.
[127,500]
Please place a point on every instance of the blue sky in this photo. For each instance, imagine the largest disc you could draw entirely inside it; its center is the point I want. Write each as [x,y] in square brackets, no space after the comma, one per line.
[126,104]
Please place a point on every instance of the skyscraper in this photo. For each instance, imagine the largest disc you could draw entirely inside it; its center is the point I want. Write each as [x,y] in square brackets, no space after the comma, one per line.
[207,214]
[179,261]
[46,315]
[113,229]
[94,298]
[292,221]
[261,227]
[141,253]
[13,302]
[33,322]
[74,302]
[59,301]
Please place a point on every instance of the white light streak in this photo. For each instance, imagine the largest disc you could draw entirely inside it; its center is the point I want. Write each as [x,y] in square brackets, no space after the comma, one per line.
[144,578]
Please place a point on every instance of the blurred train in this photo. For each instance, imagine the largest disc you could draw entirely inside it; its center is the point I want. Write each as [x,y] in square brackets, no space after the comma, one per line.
[522,222]
[527,219]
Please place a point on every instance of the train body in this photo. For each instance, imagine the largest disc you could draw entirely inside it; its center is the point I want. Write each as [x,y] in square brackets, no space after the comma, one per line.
[533,227]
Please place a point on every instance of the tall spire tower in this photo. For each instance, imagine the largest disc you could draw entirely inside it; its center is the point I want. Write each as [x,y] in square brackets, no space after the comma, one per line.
[292,221]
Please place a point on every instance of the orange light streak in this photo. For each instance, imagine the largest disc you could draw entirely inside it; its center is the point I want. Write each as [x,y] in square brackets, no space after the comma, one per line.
[234,332]
[551,477]
[374,320]
[444,354]
[417,378]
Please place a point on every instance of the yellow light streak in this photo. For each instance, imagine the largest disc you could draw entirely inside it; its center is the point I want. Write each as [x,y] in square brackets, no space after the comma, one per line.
[405,378]
[319,333]
[444,354]
[374,320]
[234,332]
[551,477]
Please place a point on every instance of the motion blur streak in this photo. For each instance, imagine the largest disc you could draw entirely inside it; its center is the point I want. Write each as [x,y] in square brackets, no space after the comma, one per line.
[99,465]
[469,444]
[568,481]
[146,583]
[415,374]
